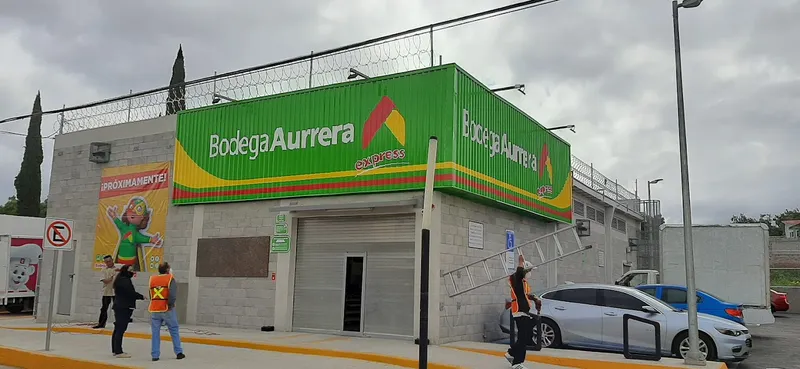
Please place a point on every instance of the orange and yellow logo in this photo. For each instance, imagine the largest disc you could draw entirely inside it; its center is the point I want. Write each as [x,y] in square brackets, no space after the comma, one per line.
[545,164]
[385,114]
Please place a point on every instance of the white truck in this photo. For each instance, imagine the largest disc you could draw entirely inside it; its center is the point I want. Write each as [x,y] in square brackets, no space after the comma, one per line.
[731,262]
[20,259]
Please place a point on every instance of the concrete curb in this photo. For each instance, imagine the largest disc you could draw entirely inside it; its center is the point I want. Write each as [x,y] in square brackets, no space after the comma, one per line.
[18,358]
[376,358]
[584,363]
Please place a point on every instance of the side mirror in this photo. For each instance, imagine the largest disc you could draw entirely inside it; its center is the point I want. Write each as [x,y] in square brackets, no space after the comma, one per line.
[649,309]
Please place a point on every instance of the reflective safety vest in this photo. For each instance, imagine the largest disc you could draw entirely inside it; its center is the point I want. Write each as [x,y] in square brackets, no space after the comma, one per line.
[514,303]
[159,293]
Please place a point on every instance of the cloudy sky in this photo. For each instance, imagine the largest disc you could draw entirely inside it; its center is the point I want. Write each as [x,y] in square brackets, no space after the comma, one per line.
[606,66]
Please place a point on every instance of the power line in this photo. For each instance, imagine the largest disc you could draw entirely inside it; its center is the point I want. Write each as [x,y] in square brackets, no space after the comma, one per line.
[450,23]
[50,136]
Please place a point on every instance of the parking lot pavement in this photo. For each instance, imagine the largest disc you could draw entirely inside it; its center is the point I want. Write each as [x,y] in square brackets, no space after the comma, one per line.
[775,345]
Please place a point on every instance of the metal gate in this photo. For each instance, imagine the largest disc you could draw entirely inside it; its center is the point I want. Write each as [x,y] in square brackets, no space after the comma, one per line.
[322,246]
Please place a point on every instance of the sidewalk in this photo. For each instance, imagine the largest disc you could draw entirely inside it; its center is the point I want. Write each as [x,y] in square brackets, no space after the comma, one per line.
[208,347]
[221,348]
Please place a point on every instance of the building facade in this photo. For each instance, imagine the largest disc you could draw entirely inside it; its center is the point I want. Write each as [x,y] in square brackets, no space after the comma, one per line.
[303,211]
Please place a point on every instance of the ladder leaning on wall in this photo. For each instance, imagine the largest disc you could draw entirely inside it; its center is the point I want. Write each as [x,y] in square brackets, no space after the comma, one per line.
[483,264]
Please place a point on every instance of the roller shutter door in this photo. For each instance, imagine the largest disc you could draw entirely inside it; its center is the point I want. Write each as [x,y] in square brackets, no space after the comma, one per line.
[322,245]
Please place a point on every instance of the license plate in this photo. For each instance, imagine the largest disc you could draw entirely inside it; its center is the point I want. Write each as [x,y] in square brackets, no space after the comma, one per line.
[749,343]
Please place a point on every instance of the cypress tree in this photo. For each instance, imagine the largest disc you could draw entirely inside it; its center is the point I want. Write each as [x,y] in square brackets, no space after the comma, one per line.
[29,180]
[176,98]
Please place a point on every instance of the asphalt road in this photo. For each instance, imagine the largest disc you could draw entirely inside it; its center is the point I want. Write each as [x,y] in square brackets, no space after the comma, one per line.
[775,345]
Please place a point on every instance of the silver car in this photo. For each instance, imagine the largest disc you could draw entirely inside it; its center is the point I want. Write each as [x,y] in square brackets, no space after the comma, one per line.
[590,316]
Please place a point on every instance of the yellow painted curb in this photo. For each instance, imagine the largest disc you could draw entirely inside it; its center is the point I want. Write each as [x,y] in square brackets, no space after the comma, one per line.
[376,358]
[18,358]
[579,363]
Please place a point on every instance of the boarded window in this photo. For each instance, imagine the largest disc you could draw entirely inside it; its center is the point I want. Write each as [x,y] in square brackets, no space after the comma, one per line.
[578,208]
[233,257]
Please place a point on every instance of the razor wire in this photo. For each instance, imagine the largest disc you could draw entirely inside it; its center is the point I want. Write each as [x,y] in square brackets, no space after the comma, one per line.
[401,54]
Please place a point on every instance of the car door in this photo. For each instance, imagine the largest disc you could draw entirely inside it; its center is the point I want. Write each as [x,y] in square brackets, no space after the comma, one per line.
[641,336]
[578,315]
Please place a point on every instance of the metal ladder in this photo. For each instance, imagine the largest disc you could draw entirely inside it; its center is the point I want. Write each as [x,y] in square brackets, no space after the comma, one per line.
[500,256]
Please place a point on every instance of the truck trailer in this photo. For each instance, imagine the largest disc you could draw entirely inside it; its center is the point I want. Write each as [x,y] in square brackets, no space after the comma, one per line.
[730,261]
[20,260]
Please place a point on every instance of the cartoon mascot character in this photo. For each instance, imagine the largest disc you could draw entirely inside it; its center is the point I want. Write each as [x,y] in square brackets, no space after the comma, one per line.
[24,261]
[133,236]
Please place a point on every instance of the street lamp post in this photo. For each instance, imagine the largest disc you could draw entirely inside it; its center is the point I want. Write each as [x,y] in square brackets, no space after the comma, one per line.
[651,182]
[693,357]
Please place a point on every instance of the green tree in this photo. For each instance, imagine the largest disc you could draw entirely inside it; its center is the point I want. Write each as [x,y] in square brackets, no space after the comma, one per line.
[29,180]
[773,222]
[43,209]
[10,207]
[176,98]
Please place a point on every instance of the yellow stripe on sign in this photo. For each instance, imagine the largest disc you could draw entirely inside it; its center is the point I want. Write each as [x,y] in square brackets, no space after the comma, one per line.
[189,174]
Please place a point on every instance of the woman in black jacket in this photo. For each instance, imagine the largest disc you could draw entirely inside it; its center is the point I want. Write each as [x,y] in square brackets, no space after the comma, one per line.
[125,297]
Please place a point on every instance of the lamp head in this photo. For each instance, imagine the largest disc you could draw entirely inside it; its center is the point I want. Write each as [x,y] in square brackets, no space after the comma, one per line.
[690,3]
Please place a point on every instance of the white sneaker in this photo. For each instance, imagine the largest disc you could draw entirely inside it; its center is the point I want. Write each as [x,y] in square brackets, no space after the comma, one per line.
[509,358]
[519,366]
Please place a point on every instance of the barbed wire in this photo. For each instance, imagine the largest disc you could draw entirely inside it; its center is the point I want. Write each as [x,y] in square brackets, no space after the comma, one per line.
[402,54]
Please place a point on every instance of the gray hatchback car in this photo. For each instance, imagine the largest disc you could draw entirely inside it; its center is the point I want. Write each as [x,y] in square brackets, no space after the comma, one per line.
[590,316]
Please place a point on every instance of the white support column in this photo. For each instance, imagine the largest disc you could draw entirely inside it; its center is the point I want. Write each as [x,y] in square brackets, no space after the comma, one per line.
[609,244]
[193,294]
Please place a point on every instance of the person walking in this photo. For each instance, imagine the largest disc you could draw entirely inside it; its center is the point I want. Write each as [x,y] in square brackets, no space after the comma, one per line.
[521,301]
[125,297]
[109,273]
[163,294]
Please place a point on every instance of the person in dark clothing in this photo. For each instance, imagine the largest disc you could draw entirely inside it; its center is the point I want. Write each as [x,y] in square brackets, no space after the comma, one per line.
[125,297]
[521,302]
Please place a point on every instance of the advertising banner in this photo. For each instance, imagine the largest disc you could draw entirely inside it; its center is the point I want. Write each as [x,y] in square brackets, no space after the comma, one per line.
[132,216]
[24,266]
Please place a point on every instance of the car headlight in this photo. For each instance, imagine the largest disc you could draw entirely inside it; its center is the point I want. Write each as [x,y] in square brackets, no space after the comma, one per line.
[730,332]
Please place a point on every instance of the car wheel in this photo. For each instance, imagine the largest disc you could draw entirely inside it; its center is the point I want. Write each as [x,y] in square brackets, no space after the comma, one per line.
[551,334]
[680,347]
[772,307]
[14,309]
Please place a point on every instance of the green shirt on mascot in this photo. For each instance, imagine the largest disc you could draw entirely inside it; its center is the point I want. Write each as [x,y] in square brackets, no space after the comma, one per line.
[131,226]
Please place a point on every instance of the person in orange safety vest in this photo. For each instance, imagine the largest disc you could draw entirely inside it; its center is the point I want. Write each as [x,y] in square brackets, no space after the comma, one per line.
[521,302]
[163,292]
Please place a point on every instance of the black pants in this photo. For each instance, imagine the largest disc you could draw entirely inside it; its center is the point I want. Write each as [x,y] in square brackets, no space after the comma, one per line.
[122,317]
[107,300]
[524,337]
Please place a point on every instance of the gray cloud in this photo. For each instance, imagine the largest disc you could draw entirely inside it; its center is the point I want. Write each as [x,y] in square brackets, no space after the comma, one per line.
[604,65]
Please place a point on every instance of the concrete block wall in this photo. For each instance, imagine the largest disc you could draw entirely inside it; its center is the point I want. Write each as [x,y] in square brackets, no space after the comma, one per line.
[474,315]
[238,302]
[74,191]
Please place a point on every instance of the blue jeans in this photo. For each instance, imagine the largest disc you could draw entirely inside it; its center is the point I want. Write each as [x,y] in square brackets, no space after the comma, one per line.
[170,318]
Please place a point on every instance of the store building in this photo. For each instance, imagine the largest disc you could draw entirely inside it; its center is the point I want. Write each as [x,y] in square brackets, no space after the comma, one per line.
[303,210]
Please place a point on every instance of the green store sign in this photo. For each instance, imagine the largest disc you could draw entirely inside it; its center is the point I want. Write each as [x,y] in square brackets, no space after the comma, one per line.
[372,136]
